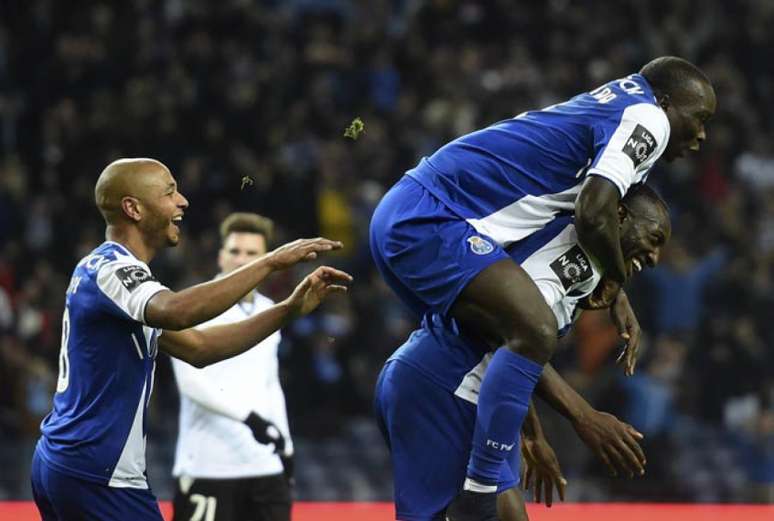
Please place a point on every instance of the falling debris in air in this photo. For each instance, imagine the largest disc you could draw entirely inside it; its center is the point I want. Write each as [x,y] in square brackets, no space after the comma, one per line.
[354,129]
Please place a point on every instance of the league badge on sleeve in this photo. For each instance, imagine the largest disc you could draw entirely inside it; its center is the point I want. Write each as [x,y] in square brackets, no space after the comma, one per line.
[133,276]
[480,246]
[640,145]
[572,267]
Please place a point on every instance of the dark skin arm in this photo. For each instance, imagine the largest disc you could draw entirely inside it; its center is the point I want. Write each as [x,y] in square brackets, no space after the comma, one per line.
[597,224]
[539,461]
[613,441]
[178,310]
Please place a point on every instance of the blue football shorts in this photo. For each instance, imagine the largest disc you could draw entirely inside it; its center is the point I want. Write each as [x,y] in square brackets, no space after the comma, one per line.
[429,432]
[61,497]
[426,253]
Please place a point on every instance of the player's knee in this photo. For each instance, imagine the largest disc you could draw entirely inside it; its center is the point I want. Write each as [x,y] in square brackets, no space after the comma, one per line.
[538,341]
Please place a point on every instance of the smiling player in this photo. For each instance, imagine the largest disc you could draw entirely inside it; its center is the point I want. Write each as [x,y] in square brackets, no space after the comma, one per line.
[90,460]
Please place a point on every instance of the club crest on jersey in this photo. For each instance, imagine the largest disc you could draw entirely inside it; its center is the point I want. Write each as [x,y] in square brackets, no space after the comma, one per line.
[572,267]
[639,145]
[480,246]
[133,276]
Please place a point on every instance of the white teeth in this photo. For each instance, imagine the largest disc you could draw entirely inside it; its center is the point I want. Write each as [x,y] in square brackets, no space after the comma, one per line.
[177,219]
[637,265]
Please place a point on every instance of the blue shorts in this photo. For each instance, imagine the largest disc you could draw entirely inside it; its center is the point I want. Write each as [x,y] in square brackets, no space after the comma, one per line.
[61,497]
[426,253]
[429,432]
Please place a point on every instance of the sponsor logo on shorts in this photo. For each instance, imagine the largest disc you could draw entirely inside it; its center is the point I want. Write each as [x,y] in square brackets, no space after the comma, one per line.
[480,246]
[572,267]
[133,276]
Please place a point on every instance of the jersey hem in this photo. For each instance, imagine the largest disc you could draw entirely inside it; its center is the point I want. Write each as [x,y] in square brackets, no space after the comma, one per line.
[79,474]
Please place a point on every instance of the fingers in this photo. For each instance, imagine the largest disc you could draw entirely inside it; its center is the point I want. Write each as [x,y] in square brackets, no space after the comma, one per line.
[560,487]
[634,433]
[538,487]
[635,447]
[332,274]
[548,492]
[631,460]
[528,478]
[606,460]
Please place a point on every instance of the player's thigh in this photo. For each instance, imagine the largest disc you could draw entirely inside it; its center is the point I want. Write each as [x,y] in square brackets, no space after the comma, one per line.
[502,305]
[426,253]
[205,499]
[510,506]
[429,431]
[265,499]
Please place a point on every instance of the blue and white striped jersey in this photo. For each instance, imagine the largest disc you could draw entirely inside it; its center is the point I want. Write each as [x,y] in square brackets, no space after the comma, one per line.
[563,273]
[512,178]
[96,430]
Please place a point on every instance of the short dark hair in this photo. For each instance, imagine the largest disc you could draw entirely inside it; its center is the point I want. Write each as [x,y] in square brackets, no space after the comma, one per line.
[644,194]
[245,222]
[673,76]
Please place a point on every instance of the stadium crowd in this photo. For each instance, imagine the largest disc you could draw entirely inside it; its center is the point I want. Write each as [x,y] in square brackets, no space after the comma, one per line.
[247,102]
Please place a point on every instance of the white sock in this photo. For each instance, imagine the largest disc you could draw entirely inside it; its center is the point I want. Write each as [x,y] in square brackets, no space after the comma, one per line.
[474,486]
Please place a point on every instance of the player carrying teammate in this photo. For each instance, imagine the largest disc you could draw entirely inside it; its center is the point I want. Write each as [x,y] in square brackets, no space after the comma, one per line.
[234,441]
[439,236]
[433,381]
[90,460]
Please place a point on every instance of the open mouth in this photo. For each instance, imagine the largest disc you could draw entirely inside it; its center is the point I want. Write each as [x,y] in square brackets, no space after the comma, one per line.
[637,265]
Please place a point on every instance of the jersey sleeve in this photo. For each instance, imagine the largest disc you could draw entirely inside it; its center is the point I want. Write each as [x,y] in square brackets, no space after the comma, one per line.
[129,285]
[626,149]
[197,386]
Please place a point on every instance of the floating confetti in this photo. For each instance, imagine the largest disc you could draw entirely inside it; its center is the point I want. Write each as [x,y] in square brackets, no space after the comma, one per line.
[355,128]
[247,181]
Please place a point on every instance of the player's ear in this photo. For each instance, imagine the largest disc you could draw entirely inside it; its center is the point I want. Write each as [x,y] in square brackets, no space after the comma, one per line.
[664,101]
[131,208]
[623,213]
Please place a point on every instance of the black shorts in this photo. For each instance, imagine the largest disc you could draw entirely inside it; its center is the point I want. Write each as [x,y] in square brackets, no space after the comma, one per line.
[243,499]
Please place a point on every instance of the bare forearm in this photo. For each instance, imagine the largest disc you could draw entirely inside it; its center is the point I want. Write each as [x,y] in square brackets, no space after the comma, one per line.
[560,396]
[202,347]
[597,225]
[224,341]
[532,428]
[200,303]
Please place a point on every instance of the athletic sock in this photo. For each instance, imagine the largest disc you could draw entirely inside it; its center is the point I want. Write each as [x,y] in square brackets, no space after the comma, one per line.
[502,406]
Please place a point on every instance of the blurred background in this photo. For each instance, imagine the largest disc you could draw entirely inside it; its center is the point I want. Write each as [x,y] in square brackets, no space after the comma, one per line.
[233,88]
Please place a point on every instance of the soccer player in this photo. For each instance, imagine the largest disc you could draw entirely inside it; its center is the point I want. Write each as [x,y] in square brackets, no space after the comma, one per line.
[432,382]
[90,460]
[234,435]
[439,236]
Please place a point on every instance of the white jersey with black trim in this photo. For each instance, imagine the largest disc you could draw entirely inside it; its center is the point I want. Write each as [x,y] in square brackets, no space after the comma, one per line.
[215,400]
[97,428]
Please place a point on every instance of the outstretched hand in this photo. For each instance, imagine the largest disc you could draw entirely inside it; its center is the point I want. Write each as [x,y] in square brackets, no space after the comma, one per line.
[625,321]
[315,288]
[299,251]
[539,462]
[614,442]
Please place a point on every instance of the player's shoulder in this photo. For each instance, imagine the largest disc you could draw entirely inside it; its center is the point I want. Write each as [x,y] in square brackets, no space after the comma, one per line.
[112,260]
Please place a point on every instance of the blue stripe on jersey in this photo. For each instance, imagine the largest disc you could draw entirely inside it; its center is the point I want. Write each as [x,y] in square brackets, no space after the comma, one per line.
[87,430]
[523,249]
[536,153]
[439,350]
